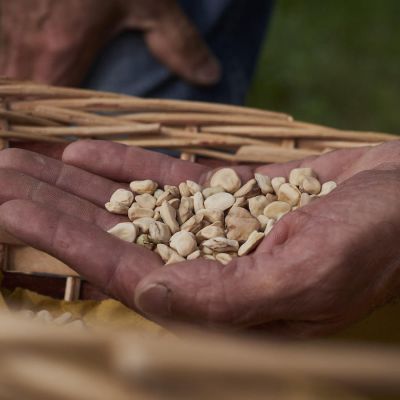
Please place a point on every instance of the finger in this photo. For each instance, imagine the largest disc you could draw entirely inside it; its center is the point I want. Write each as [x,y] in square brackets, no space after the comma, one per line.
[53,150]
[111,264]
[123,163]
[328,166]
[15,185]
[175,41]
[86,185]
[248,291]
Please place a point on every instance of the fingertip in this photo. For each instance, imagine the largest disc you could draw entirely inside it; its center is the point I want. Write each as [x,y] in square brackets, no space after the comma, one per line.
[207,73]
[152,299]
[77,149]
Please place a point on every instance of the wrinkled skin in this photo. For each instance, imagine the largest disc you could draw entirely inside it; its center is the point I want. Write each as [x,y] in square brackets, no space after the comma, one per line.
[322,267]
[55,41]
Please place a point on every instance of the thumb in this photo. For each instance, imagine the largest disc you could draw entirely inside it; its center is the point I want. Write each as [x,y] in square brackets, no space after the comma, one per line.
[175,41]
[246,292]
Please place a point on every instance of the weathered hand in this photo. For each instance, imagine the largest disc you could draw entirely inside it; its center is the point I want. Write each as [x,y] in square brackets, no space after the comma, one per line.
[55,42]
[321,267]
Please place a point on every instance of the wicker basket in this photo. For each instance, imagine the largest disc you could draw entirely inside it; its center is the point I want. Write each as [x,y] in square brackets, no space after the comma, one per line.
[33,112]
[47,362]
[122,365]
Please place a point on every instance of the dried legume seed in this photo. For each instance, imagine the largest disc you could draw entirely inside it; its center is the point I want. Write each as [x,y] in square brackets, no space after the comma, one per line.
[226,178]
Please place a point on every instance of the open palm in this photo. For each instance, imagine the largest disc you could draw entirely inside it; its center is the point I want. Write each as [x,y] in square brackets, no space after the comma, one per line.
[321,267]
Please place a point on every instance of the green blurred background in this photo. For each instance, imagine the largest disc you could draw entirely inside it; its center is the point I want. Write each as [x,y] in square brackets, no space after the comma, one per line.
[333,62]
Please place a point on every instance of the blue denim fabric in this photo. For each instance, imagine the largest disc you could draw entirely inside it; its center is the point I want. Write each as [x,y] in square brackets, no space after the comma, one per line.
[234,30]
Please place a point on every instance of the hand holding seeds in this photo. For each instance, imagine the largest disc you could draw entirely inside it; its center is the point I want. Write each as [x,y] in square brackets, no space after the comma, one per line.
[242,250]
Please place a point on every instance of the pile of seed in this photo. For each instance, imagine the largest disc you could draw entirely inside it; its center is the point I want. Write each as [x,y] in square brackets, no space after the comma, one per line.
[219,222]
[44,316]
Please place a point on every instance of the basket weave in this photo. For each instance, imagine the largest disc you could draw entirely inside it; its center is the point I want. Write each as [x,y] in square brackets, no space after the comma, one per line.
[34,112]
[48,362]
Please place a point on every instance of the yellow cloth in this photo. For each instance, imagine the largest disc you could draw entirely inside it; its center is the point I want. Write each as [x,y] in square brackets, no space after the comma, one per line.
[95,313]
[381,326]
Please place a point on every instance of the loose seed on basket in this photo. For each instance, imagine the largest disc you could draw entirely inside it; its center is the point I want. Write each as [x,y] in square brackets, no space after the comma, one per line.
[289,193]
[277,209]
[219,201]
[227,178]
[63,319]
[327,187]
[44,316]
[145,186]
[264,183]
[146,201]
[125,231]
[183,242]
[277,182]
[251,243]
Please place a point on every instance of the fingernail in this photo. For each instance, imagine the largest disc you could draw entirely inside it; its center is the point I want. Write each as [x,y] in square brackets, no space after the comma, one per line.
[208,73]
[153,300]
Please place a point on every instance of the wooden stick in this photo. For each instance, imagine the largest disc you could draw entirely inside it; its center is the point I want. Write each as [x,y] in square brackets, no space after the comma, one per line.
[293,131]
[29,136]
[80,131]
[203,119]
[72,116]
[219,155]
[31,89]
[22,118]
[333,144]
[133,104]
[72,288]
[270,154]
[226,140]
[180,142]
